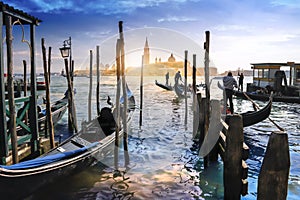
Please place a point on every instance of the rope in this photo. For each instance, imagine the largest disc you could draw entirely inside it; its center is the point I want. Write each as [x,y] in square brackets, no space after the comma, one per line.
[280,128]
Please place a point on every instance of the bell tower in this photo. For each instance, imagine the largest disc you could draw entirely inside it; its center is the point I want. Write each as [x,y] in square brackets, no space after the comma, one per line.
[146,53]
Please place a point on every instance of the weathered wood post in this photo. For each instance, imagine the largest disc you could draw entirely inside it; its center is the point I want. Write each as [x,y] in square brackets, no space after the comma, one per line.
[141,93]
[98,79]
[185,87]
[3,125]
[10,90]
[207,88]
[233,158]
[33,114]
[90,90]
[49,64]
[49,121]
[117,113]
[203,123]
[274,172]
[74,117]
[25,88]
[124,88]
[195,102]
[72,124]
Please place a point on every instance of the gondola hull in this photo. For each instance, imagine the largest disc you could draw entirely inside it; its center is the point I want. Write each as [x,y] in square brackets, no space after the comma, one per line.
[265,97]
[166,87]
[58,111]
[89,146]
[254,117]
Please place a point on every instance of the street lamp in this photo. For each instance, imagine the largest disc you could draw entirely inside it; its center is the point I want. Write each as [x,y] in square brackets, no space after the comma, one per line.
[66,51]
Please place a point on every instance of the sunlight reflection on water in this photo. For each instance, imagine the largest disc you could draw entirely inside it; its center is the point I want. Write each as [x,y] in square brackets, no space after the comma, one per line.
[163,166]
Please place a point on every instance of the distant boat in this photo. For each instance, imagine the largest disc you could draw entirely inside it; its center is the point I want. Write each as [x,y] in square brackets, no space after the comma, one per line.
[268,77]
[63,73]
[166,87]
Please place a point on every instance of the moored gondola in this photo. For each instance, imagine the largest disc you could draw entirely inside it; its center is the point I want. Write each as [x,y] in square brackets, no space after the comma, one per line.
[93,143]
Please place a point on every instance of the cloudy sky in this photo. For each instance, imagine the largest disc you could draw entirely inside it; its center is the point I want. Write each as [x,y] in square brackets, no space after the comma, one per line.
[241,31]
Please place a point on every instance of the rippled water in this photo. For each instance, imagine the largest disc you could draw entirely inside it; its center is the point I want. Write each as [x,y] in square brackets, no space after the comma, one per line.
[162,164]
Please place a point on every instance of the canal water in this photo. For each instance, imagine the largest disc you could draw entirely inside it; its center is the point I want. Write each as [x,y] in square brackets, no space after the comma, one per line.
[163,164]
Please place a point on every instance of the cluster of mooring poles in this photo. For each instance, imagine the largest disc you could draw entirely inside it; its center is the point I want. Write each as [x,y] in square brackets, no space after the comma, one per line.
[32,141]
[226,138]
[9,140]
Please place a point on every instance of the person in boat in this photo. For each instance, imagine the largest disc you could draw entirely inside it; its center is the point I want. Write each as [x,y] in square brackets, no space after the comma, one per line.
[229,83]
[241,81]
[167,78]
[177,77]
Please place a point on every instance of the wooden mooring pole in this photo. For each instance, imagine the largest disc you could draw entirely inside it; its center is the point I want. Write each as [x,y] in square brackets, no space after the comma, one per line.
[185,88]
[233,158]
[49,122]
[25,88]
[195,102]
[141,93]
[71,120]
[117,113]
[10,90]
[98,79]
[274,172]
[90,87]
[124,88]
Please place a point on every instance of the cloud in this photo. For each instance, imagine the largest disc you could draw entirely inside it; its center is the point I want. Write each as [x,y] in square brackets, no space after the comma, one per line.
[177,19]
[106,7]
[233,27]
[292,4]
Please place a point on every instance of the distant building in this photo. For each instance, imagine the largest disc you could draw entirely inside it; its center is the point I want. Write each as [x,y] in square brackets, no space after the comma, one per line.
[146,53]
[171,58]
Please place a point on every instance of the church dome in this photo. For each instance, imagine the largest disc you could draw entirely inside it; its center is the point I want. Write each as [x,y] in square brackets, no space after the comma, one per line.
[171,58]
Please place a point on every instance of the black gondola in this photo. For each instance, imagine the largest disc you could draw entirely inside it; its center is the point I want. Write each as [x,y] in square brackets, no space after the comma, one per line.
[92,144]
[265,97]
[58,109]
[254,117]
[166,87]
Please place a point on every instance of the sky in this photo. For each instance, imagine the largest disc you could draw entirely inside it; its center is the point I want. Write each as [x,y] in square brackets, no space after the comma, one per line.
[241,31]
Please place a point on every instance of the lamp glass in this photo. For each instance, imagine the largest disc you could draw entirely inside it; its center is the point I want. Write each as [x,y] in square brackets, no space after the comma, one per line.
[65,52]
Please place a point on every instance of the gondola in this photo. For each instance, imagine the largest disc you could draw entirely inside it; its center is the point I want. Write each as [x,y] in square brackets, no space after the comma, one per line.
[166,87]
[179,90]
[265,97]
[254,117]
[91,144]
[58,109]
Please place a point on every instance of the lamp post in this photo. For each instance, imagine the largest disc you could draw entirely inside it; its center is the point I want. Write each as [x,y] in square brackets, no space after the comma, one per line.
[66,51]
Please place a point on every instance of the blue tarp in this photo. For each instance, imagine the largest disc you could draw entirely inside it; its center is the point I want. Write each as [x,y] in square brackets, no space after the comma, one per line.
[47,159]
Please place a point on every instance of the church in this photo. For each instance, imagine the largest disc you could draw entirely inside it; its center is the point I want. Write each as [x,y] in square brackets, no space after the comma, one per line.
[160,67]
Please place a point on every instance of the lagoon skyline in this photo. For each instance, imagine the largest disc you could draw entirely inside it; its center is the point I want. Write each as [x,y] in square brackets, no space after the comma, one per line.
[241,32]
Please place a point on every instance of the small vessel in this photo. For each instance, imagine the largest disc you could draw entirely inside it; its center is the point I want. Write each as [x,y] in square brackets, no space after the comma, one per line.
[283,79]
[253,117]
[166,87]
[93,143]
